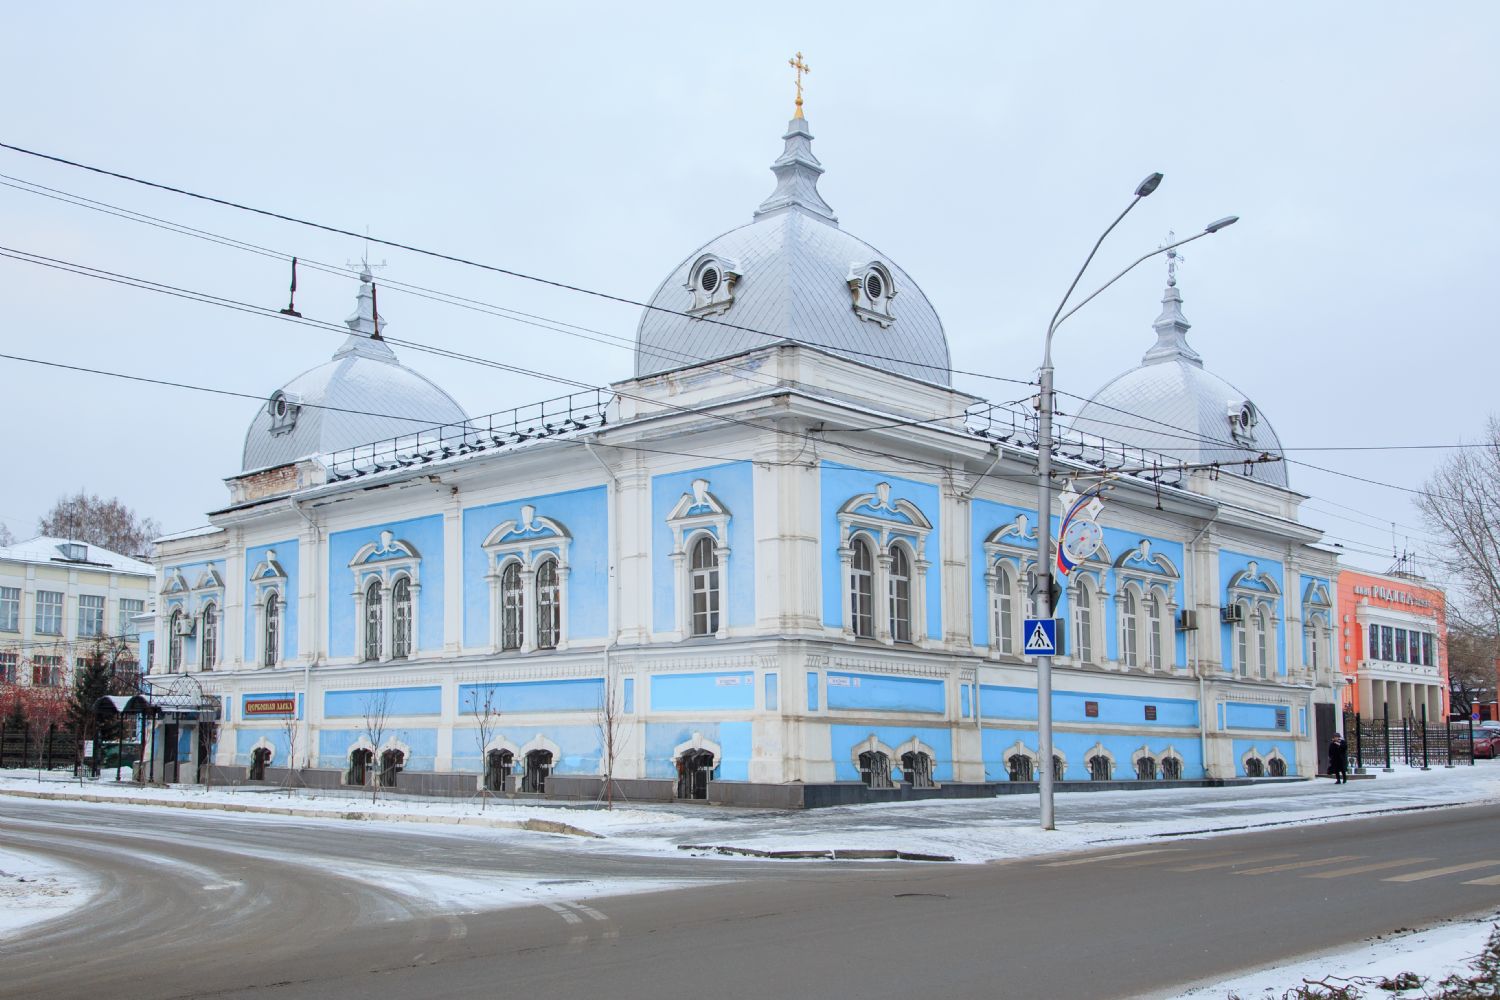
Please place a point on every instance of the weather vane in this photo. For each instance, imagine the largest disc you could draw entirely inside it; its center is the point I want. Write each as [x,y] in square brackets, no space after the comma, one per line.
[1174,257]
[801,67]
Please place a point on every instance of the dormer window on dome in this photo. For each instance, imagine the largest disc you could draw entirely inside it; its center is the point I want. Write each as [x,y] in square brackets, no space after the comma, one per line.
[1243,417]
[283,408]
[711,281]
[871,288]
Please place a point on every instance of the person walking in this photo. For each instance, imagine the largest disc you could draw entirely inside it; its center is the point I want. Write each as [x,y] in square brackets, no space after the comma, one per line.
[1338,759]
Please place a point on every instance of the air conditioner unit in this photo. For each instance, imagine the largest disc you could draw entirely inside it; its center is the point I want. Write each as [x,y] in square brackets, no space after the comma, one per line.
[1232,614]
[186,625]
[1187,621]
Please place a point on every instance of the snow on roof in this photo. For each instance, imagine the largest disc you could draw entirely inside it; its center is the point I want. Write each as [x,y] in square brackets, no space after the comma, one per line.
[52,551]
[202,529]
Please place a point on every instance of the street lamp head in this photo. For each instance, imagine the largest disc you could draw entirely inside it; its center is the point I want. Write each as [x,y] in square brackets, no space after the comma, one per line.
[1215,226]
[1148,185]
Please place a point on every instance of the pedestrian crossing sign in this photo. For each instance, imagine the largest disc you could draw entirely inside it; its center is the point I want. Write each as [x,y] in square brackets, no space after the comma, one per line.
[1041,636]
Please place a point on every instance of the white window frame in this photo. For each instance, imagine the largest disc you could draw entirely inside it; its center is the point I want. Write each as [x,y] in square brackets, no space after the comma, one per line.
[1259,598]
[704,581]
[896,621]
[527,541]
[10,609]
[54,612]
[95,612]
[267,579]
[208,641]
[380,564]
[883,521]
[860,586]
[697,513]
[1154,579]
[403,613]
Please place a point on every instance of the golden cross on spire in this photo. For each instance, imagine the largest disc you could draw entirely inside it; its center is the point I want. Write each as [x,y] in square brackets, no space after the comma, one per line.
[801,67]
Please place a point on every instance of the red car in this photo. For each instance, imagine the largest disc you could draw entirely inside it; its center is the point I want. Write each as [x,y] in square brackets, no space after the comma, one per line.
[1487,741]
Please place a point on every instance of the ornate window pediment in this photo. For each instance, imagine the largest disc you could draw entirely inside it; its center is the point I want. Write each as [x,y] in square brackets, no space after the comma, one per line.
[711,282]
[268,569]
[872,290]
[700,562]
[209,579]
[527,560]
[1253,580]
[387,579]
[176,584]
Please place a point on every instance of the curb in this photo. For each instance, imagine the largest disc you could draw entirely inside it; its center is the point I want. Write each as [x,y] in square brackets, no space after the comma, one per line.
[830,854]
[532,825]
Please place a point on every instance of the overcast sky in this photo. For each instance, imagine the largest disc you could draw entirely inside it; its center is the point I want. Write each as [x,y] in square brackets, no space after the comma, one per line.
[981,146]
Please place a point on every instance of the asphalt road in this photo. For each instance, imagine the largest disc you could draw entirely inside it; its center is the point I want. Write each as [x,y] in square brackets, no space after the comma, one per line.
[201,905]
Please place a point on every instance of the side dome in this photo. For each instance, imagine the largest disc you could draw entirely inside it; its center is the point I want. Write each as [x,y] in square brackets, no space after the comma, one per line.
[362,395]
[1172,405]
[792,274]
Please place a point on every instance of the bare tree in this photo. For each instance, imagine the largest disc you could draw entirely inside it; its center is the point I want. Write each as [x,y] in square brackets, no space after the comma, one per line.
[1461,503]
[290,725]
[107,523]
[6,538]
[1471,668]
[376,714]
[612,733]
[486,717]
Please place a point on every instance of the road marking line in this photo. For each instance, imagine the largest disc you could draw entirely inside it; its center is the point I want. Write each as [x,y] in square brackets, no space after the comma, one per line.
[1110,857]
[564,912]
[1294,865]
[1435,872]
[1487,880]
[1206,865]
[589,910]
[1361,869]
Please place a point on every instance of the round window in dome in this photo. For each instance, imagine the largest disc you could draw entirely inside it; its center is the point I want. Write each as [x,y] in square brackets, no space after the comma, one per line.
[874,287]
[278,407]
[709,279]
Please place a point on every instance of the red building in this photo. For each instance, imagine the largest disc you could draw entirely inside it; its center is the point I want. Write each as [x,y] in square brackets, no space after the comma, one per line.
[1393,646]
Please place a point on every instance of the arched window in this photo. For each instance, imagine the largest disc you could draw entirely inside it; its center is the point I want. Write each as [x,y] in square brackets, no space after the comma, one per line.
[1100,768]
[401,638]
[1005,615]
[512,607]
[259,758]
[704,570]
[695,769]
[1242,641]
[900,594]
[1059,768]
[1277,767]
[174,642]
[392,762]
[373,612]
[360,760]
[498,764]
[272,636]
[1145,769]
[1255,768]
[1153,613]
[1171,769]
[875,769]
[1128,645]
[862,589]
[916,769]
[548,606]
[1083,602]
[538,766]
[1262,662]
[1020,767]
[208,648]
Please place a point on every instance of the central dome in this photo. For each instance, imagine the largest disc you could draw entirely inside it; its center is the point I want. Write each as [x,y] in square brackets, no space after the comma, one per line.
[792,275]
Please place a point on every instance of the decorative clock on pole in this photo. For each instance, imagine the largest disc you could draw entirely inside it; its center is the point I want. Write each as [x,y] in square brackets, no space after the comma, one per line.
[1079,535]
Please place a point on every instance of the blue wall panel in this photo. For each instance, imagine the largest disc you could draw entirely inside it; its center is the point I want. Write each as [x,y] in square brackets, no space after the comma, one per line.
[733,484]
[245,740]
[585,515]
[1242,715]
[398,702]
[703,692]
[526,697]
[773,694]
[334,746]
[843,740]
[1263,747]
[1070,706]
[840,484]
[426,536]
[286,555]
[579,747]
[876,692]
[998,743]
[733,739]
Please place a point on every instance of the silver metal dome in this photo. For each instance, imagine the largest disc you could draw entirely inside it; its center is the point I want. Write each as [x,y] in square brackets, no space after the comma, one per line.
[1172,405]
[369,396]
[792,274]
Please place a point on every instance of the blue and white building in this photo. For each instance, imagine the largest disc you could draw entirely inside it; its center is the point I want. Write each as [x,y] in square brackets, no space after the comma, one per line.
[783,561]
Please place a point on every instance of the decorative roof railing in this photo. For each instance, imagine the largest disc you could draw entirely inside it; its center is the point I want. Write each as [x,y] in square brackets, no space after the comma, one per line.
[560,417]
[1007,426]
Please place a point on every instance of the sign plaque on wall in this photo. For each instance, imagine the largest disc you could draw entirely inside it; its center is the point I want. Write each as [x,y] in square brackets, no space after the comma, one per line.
[269,706]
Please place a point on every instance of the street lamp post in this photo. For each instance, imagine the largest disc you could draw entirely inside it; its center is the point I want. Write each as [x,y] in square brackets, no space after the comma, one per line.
[1042,598]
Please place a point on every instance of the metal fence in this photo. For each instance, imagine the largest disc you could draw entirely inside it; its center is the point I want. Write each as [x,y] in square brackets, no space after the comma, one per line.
[54,749]
[1383,743]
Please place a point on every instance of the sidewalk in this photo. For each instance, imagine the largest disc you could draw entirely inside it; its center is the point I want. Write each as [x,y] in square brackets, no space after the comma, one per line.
[969,830]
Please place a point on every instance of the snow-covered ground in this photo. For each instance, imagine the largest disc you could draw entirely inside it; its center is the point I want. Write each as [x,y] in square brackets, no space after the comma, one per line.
[1432,954]
[32,890]
[970,830]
